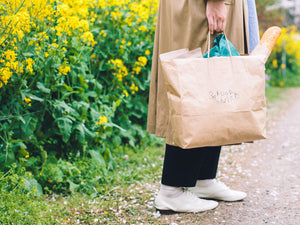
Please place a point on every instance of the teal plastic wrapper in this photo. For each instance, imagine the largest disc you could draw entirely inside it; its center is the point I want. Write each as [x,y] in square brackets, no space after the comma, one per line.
[221,48]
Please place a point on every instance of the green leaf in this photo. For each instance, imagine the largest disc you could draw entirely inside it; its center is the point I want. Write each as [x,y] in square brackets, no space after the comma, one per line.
[55,173]
[88,132]
[2,158]
[43,88]
[34,97]
[80,128]
[92,94]
[30,125]
[18,145]
[95,114]
[68,88]
[10,158]
[73,187]
[31,183]
[117,140]
[31,161]
[28,54]
[21,119]
[107,155]
[81,104]
[96,30]
[130,137]
[63,107]
[67,94]
[16,140]
[65,126]
[97,157]
[23,151]
[44,155]
[116,126]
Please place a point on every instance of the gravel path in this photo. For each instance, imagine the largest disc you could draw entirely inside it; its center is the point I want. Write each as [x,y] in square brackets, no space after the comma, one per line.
[268,170]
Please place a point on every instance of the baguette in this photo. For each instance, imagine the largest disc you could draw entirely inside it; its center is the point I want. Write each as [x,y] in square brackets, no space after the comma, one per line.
[267,43]
[270,37]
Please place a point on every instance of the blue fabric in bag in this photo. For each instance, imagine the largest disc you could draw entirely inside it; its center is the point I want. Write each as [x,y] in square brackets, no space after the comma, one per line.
[221,48]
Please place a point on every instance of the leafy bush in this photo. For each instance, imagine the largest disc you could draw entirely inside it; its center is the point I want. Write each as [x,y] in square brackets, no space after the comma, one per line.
[20,203]
[283,65]
[19,197]
[74,82]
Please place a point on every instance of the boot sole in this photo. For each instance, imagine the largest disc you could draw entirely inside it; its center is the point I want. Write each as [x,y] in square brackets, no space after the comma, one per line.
[166,212]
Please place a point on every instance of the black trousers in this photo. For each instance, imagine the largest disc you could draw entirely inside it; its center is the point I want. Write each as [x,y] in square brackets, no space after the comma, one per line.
[183,167]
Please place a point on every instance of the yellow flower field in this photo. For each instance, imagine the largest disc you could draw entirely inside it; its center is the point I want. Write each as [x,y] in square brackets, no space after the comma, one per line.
[74,79]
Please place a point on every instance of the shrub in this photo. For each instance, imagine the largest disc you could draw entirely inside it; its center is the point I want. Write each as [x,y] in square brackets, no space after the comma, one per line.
[74,82]
[19,197]
[283,65]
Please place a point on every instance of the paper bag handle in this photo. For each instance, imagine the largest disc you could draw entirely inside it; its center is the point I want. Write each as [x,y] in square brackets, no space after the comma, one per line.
[226,42]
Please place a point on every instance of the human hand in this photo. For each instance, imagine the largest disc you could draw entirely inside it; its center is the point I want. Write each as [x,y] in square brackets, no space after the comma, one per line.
[216,13]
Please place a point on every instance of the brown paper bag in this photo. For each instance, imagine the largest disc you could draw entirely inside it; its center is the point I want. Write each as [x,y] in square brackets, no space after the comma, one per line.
[214,101]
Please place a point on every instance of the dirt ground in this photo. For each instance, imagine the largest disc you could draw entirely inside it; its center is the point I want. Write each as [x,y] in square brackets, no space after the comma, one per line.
[268,170]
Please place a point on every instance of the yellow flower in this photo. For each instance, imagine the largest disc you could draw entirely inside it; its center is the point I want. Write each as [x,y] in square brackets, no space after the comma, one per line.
[102,33]
[147,52]
[102,119]
[116,15]
[9,55]
[137,69]
[274,62]
[142,60]
[29,64]
[88,37]
[28,101]
[54,45]
[84,24]
[126,93]
[64,69]
[143,28]
[120,70]
[133,88]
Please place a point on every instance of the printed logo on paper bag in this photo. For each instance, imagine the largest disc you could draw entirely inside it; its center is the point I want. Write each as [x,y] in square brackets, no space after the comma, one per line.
[224,97]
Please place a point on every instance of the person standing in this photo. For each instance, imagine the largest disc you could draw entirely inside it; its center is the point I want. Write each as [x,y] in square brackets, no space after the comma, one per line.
[188,175]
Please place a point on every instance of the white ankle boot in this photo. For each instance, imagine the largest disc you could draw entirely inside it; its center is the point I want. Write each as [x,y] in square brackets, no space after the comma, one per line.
[213,189]
[185,202]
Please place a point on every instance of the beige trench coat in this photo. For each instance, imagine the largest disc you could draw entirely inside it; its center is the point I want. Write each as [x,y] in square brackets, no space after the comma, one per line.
[183,24]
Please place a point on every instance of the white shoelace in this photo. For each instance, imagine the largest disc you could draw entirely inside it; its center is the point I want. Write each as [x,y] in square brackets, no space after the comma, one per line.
[221,185]
[213,183]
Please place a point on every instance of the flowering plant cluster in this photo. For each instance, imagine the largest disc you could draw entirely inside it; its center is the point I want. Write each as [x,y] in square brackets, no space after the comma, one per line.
[74,77]
[283,65]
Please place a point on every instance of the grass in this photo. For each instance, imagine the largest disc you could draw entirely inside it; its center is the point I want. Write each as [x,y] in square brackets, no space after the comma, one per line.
[274,94]
[127,197]
[277,99]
